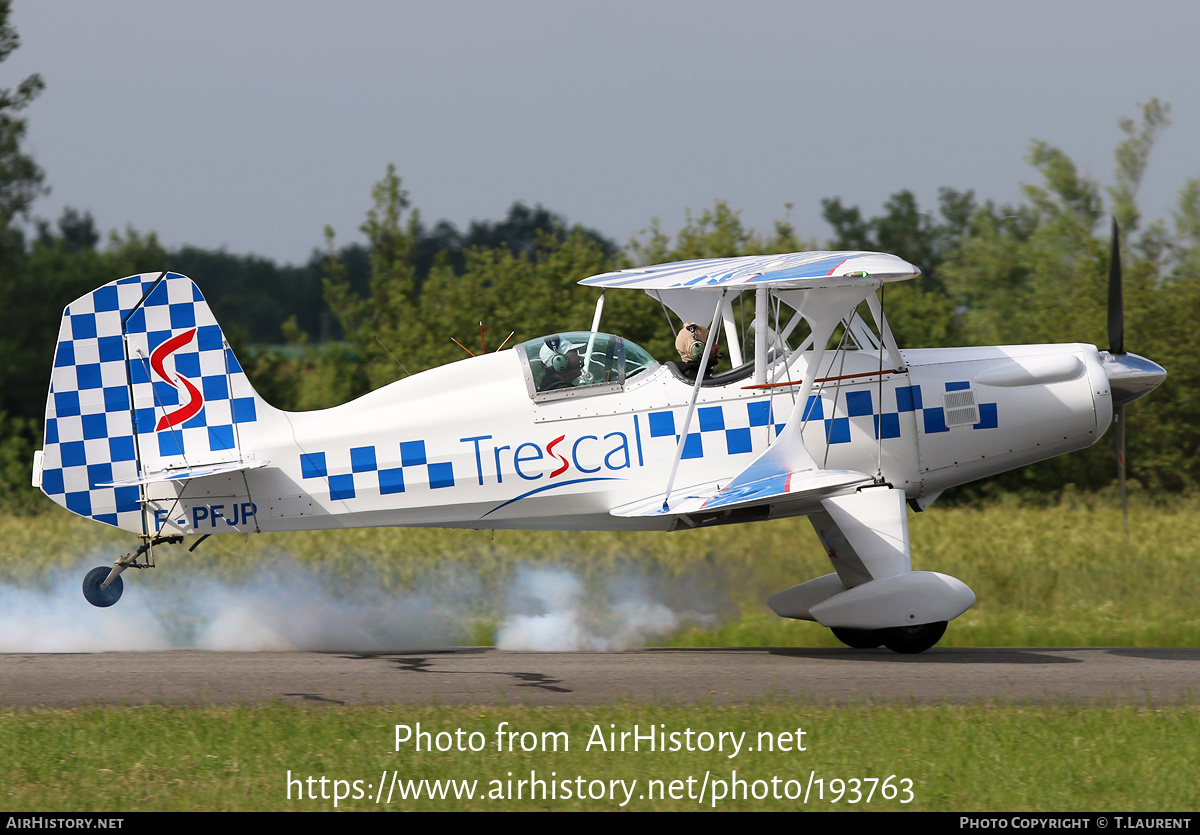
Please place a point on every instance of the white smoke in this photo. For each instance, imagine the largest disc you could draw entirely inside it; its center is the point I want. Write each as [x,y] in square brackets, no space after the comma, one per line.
[280,607]
[51,620]
[284,606]
[300,611]
[550,610]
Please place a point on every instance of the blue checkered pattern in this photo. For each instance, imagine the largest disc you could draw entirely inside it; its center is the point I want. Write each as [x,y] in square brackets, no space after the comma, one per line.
[377,470]
[102,410]
[933,418]
[860,416]
[855,415]
[729,424]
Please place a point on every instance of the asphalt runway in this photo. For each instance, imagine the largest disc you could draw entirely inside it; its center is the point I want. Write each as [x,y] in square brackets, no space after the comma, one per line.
[486,676]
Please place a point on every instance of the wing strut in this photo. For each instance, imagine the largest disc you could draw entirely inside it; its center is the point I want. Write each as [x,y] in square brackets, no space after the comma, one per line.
[687,421]
[823,309]
[785,472]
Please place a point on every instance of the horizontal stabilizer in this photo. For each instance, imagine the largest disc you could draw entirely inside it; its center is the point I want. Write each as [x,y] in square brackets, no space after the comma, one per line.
[187,473]
[810,485]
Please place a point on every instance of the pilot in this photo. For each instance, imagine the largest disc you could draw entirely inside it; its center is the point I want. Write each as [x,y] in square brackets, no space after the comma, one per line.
[689,342]
[560,357]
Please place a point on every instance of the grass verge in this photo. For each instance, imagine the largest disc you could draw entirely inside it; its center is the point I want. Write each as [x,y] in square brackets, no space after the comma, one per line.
[980,758]
[1054,573]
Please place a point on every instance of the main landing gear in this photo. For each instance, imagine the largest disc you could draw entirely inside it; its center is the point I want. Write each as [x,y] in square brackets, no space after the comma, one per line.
[102,586]
[907,640]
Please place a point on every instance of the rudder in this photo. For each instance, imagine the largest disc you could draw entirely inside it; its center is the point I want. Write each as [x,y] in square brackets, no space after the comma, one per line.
[143,382]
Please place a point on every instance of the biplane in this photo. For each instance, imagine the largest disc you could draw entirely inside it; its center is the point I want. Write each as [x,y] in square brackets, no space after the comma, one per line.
[153,427]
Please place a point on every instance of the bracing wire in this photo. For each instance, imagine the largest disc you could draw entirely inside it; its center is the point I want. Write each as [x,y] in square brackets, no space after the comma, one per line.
[879,402]
[840,350]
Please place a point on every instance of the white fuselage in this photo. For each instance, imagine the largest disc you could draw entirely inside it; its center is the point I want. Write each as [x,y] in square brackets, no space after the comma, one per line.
[465,445]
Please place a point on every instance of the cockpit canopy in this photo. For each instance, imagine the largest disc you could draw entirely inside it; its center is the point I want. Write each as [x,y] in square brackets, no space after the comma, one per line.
[580,363]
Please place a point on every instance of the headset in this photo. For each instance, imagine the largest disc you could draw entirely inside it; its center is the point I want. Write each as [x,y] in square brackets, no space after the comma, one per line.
[557,361]
[695,347]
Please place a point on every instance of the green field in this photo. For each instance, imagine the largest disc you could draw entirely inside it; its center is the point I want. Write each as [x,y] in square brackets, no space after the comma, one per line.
[1050,573]
[1046,574]
[981,758]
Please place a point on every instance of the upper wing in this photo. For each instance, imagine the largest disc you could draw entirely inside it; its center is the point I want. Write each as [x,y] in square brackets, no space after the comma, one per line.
[794,270]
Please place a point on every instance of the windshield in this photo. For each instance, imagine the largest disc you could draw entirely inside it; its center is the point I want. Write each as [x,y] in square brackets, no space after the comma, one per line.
[571,360]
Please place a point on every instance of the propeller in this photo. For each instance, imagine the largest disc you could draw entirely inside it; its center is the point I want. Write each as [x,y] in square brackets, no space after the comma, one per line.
[1116,348]
[1129,375]
[1116,305]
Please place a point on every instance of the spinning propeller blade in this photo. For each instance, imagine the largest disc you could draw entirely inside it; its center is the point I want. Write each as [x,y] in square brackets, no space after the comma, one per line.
[1119,435]
[1116,305]
[1129,375]
[1116,347]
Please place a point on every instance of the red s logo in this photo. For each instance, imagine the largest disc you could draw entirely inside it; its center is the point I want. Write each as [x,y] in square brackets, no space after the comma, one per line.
[550,450]
[196,401]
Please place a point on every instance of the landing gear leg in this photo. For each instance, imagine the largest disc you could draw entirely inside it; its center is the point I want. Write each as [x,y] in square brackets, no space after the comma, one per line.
[102,586]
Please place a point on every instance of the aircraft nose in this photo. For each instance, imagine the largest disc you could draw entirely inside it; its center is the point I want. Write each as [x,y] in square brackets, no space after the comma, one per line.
[1131,376]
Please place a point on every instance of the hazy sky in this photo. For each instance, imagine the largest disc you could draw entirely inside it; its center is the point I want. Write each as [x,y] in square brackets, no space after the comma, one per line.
[250,125]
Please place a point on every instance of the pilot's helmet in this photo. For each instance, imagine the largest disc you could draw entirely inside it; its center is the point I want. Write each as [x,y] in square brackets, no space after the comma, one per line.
[554,353]
[690,341]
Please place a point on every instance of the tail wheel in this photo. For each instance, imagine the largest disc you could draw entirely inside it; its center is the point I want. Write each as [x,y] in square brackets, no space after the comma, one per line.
[910,640]
[98,596]
[859,638]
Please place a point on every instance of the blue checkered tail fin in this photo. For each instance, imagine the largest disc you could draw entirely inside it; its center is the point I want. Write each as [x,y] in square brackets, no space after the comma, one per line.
[144,388]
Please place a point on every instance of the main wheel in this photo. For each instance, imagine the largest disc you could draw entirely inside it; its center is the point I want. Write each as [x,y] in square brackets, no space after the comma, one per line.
[98,596]
[913,639]
[859,638]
